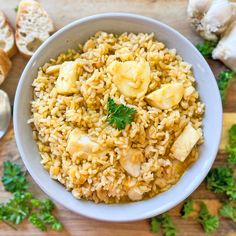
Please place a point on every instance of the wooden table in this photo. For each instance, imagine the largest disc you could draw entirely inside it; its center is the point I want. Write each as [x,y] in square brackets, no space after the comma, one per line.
[172,12]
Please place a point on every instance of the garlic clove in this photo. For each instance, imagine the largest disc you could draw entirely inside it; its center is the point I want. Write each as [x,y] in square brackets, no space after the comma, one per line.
[226,48]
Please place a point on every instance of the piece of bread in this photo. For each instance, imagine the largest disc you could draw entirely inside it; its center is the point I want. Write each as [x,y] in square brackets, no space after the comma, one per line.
[33,27]
[5,65]
[7,39]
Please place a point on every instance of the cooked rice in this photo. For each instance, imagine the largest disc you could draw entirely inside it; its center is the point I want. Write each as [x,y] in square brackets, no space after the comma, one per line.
[101,178]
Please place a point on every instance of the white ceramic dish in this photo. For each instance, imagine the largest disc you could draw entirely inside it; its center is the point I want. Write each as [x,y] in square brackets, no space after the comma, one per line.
[79,31]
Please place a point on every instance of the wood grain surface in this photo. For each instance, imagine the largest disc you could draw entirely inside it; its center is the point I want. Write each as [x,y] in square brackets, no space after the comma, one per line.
[171,12]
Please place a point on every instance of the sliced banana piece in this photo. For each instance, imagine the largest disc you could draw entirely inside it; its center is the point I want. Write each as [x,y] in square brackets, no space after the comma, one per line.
[68,74]
[131,78]
[185,142]
[131,161]
[167,96]
[79,141]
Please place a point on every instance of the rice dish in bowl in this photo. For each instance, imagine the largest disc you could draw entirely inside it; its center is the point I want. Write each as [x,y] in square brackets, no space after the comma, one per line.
[117,120]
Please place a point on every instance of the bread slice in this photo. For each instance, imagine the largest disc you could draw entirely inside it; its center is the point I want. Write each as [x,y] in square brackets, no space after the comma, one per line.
[5,65]
[33,27]
[7,39]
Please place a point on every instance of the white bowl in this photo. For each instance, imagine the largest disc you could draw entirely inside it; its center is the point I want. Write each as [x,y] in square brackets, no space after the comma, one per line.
[79,31]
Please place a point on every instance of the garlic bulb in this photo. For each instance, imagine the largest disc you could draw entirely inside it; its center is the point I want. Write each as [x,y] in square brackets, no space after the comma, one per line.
[226,48]
[210,18]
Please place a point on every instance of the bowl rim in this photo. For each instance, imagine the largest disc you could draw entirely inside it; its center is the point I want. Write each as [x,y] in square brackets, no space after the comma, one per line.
[145,215]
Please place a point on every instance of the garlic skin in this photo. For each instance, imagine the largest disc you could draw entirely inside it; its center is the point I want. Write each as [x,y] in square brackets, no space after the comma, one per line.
[210,18]
[226,48]
[197,8]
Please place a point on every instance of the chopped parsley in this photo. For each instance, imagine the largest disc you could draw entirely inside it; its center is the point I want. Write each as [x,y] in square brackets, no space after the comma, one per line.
[119,115]
[187,209]
[231,148]
[225,78]
[16,8]
[221,180]
[206,48]
[13,178]
[209,222]
[228,210]
[165,223]
[23,205]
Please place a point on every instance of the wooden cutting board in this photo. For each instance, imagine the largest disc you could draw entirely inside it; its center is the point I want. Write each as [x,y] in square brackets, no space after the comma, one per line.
[171,12]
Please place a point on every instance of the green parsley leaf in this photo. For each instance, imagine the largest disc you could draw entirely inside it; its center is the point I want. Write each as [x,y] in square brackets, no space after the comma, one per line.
[37,222]
[209,222]
[23,205]
[225,77]
[228,210]
[155,224]
[169,228]
[119,115]
[13,178]
[17,208]
[16,8]
[221,180]
[231,149]
[206,48]
[187,208]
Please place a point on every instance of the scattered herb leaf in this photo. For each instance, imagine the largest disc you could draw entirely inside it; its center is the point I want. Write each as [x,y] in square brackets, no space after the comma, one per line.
[13,178]
[225,77]
[23,205]
[155,224]
[206,48]
[119,115]
[221,180]
[16,8]
[165,222]
[228,210]
[231,149]
[209,222]
[187,208]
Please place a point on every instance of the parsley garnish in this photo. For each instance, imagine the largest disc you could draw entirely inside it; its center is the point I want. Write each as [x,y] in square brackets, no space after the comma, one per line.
[119,115]
[23,205]
[221,180]
[155,224]
[225,77]
[16,8]
[228,210]
[206,48]
[165,222]
[13,178]
[187,209]
[209,222]
[231,149]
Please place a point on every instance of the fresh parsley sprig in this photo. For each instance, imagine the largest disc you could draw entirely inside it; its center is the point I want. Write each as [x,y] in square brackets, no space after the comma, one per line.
[165,223]
[119,115]
[222,180]
[206,48]
[228,210]
[231,148]
[224,80]
[187,209]
[23,205]
[209,222]
[14,178]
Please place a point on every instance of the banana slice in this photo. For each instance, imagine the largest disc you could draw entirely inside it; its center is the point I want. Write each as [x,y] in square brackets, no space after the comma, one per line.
[131,161]
[79,141]
[185,142]
[131,78]
[167,96]
[68,74]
